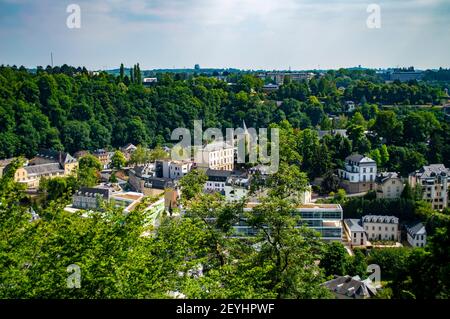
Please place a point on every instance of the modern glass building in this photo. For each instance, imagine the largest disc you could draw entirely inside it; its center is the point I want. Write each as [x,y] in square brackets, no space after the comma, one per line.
[327,219]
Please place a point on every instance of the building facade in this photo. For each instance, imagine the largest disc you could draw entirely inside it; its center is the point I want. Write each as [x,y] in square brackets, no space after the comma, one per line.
[46,164]
[389,185]
[359,174]
[355,232]
[216,156]
[326,219]
[433,180]
[381,227]
[216,181]
[416,235]
[172,169]
[90,198]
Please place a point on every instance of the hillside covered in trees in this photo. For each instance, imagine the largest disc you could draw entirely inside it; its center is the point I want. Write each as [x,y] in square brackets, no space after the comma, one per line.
[72,109]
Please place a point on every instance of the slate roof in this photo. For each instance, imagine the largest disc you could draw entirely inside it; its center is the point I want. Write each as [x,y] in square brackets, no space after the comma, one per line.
[352,287]
[42,169]
[354,225]
[92,192]
[417,229]
[432,170]
[379,219]
[218,173]
[358,158]
[385,176]
[57,156]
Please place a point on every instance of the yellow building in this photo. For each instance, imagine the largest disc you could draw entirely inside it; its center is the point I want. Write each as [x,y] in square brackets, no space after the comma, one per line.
[46,164]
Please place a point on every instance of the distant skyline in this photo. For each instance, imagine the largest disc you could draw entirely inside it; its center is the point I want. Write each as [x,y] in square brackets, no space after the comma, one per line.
[242,34]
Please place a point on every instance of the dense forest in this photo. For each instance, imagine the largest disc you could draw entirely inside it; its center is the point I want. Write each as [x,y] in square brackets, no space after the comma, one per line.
[73,109]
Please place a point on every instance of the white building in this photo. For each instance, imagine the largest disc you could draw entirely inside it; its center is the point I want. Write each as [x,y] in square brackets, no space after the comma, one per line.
[216,180]
[358,174]
[434,180]
[416,235]
[381,227]
[355,232]
[216,156]
[172,169]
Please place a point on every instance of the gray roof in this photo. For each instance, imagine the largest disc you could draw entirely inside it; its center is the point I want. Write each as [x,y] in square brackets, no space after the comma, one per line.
[42,169]
[358,158]
[218,173]
[385,176]
[352,287]
[217,146]
[354,225]
[158,182]
[417,229]
[60,157]
[432,170]
[93,192]
[379,219]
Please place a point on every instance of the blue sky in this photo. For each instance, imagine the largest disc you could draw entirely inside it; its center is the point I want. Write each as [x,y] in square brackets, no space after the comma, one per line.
[247,34]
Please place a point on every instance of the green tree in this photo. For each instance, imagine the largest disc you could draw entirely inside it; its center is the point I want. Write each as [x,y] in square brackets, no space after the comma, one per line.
[118,160]
[335,259]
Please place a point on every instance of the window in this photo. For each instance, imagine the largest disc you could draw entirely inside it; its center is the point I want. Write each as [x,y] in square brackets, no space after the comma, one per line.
[354,235]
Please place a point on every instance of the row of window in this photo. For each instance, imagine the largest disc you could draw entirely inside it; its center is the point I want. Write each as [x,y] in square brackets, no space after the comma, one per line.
[379,228]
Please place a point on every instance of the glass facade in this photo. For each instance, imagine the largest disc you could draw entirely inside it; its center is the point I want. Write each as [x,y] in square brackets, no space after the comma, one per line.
[327,222]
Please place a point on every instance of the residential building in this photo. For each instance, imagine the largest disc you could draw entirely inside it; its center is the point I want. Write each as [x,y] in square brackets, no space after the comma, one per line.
[216,180]
[46,164]
[347,287]
[381,227]
[434,180]
[355,232]
[389,185]
[216,156]
[90,198]
[358,174]
[172,169]
[103,156]
[127,150]
[416,235]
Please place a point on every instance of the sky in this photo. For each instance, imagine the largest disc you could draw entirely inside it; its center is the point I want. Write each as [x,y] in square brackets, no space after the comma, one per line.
[245,34]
